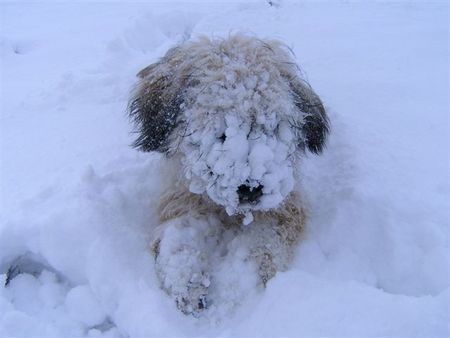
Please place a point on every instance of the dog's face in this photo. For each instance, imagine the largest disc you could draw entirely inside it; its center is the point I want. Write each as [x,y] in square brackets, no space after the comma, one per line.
[237,114]
[240,141]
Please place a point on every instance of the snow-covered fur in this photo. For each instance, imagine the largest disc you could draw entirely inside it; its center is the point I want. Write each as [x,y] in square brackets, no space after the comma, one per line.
[232,116]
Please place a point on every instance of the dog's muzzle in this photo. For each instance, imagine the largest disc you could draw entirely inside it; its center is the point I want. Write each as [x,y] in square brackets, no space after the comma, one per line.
[250,195]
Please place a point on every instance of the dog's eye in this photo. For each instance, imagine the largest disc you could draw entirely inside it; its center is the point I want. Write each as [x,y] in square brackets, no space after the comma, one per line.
[223,137]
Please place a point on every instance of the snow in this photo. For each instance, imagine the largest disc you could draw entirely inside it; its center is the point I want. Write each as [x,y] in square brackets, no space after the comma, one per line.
[77,201]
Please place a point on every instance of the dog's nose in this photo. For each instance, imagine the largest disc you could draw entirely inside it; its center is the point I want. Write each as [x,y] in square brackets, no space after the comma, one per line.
[248,194]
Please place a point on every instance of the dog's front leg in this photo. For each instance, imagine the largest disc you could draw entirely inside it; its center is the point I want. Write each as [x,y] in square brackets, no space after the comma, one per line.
[273,239]
[182,262]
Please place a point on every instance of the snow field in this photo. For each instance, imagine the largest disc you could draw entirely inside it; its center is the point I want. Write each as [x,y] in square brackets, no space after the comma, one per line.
[75,198]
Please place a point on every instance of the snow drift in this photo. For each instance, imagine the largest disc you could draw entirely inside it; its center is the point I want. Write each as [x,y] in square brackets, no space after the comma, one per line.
[77,201]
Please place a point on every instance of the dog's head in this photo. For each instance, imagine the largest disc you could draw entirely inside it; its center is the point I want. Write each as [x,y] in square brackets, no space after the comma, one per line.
[237,112]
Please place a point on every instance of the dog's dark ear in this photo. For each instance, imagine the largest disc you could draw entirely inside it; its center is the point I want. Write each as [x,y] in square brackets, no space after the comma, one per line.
[315,125]
[155,107]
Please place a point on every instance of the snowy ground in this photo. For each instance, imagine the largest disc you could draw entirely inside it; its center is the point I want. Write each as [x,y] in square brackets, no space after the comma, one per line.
[74,196]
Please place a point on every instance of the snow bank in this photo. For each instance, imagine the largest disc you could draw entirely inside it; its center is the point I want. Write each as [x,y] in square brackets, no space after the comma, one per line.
[76,203]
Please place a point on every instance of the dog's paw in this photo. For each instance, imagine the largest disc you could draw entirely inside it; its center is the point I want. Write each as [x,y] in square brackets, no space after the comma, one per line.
[182,274]
[193,306]
[194,300]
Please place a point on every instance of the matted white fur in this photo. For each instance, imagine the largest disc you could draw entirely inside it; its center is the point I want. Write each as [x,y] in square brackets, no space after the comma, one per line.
[233,117]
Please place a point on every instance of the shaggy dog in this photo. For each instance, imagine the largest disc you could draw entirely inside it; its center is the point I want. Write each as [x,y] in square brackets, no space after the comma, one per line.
[232,117]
